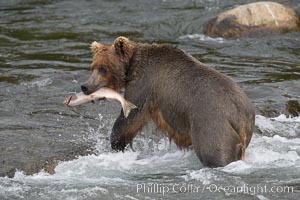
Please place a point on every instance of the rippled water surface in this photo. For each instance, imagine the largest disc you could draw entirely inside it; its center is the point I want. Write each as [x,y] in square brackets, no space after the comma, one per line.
[44,56]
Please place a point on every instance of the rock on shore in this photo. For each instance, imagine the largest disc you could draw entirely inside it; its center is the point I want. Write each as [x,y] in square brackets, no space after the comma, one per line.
[253,19]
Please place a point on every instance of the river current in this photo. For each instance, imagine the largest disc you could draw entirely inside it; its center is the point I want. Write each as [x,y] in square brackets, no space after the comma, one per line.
[44,56]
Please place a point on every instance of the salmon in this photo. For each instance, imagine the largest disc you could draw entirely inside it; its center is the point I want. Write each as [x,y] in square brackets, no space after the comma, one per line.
[107,93]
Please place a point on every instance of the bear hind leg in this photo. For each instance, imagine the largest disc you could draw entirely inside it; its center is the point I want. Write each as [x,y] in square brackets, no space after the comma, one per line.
[217,149]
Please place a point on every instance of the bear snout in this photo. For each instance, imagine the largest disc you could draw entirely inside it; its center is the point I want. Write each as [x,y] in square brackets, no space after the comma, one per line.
[88,89]
[84,89]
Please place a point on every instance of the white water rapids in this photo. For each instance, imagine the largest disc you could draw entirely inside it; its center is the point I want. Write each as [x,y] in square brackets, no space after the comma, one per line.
[272,159]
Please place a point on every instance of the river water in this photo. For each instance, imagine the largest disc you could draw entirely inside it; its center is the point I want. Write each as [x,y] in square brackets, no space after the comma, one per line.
[44,56]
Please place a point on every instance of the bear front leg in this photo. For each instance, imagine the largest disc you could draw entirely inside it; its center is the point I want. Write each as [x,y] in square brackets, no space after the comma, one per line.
[125,129]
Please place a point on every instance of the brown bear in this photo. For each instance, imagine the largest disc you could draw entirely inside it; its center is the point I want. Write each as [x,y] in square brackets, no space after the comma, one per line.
[189,101]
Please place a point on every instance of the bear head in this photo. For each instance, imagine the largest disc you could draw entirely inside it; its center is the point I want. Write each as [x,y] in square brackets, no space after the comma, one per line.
[109,65]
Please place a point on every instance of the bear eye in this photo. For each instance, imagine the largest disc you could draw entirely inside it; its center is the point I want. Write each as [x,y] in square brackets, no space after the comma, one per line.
[102,71]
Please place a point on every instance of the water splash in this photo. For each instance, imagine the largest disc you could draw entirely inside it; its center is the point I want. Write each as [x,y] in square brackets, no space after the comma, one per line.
[281,125]
[201,37]
[38,83]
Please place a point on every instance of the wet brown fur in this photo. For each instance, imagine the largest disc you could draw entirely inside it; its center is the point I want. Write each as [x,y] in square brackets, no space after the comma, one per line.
[182,140]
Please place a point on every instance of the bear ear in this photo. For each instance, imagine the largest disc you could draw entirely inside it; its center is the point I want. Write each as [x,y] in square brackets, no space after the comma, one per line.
[123,48]
[96,47]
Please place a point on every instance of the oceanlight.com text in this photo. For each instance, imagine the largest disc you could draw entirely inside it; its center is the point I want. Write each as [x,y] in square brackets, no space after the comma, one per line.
[158,188]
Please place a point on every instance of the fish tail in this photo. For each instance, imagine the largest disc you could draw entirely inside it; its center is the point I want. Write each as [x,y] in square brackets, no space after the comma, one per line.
[128,107]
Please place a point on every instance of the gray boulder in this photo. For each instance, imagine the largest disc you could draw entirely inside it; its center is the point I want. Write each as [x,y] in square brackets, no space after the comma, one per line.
[253,19]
